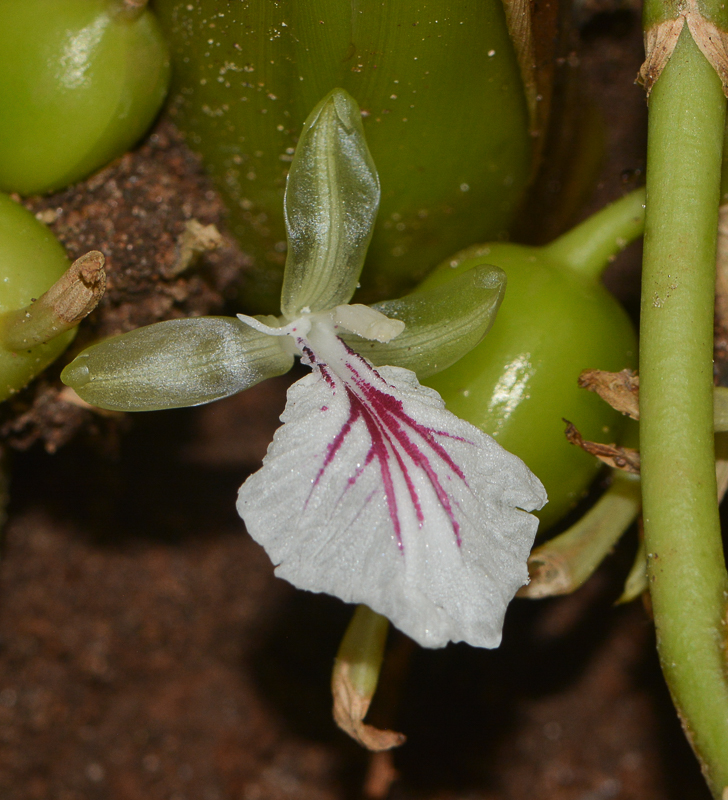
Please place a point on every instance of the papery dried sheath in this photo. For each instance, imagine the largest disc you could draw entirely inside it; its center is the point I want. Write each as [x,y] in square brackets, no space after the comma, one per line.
[183,362]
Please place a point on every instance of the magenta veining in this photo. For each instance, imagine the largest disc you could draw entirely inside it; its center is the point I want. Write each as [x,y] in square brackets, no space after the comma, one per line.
[390,431]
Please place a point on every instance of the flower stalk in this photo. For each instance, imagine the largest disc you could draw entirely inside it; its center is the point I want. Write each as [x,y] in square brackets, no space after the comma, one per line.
[564,563]
[589,247]
[636,582]
[355,677]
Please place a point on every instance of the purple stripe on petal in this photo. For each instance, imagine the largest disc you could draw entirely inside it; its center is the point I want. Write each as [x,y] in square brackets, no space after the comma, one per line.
[397,440]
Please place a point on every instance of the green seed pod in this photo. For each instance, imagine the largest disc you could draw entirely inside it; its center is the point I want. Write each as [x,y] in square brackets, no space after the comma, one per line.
[80,82]
[31,260]
[443,104]
[556,320]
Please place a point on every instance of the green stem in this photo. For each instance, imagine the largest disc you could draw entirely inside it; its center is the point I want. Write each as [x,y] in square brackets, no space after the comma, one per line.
[590,246]
[564,563]
[688,581]
[720,409]
[637,581]
[362,648]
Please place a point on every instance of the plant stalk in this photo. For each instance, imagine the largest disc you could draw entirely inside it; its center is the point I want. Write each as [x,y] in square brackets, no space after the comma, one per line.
[355,677]
[686,567]
[564,563]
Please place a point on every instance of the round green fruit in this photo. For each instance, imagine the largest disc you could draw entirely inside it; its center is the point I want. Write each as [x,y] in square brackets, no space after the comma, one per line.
[520,383]
[31,261]
[80,82]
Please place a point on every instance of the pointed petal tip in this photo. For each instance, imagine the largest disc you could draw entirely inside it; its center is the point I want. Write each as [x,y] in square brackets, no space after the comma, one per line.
[489,276]
[347,109]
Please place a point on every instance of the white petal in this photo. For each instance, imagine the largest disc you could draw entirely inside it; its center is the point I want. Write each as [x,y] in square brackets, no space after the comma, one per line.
[373,492]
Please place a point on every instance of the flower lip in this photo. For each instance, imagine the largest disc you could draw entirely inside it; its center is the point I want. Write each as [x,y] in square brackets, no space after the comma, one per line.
[394,435]
[373,492]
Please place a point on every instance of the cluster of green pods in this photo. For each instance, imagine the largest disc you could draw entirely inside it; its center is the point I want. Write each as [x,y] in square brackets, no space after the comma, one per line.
[80,82]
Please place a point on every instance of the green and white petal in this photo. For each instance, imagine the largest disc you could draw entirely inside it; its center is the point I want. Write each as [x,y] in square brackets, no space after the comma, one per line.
[332,197]
[441,324]
[181,362]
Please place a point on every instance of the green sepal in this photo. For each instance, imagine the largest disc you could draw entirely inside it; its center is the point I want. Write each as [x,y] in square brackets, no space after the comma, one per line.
[332,197]
[441,324]
[177,363]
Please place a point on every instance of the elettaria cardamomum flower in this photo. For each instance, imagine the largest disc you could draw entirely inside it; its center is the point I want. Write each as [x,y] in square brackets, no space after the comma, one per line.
[371,490]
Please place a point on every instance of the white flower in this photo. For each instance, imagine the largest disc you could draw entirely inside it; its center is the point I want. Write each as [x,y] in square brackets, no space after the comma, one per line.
[373,492]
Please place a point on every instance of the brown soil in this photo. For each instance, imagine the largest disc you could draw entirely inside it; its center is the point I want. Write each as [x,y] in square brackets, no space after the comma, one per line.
[147,651]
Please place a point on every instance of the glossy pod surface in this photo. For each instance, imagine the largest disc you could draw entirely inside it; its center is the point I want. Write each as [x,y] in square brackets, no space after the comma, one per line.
[520,382]
[442,103]
[79,84]
[31,260]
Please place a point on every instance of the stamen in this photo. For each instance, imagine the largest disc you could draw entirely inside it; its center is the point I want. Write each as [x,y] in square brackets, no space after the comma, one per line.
[299,327]
[367,322]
